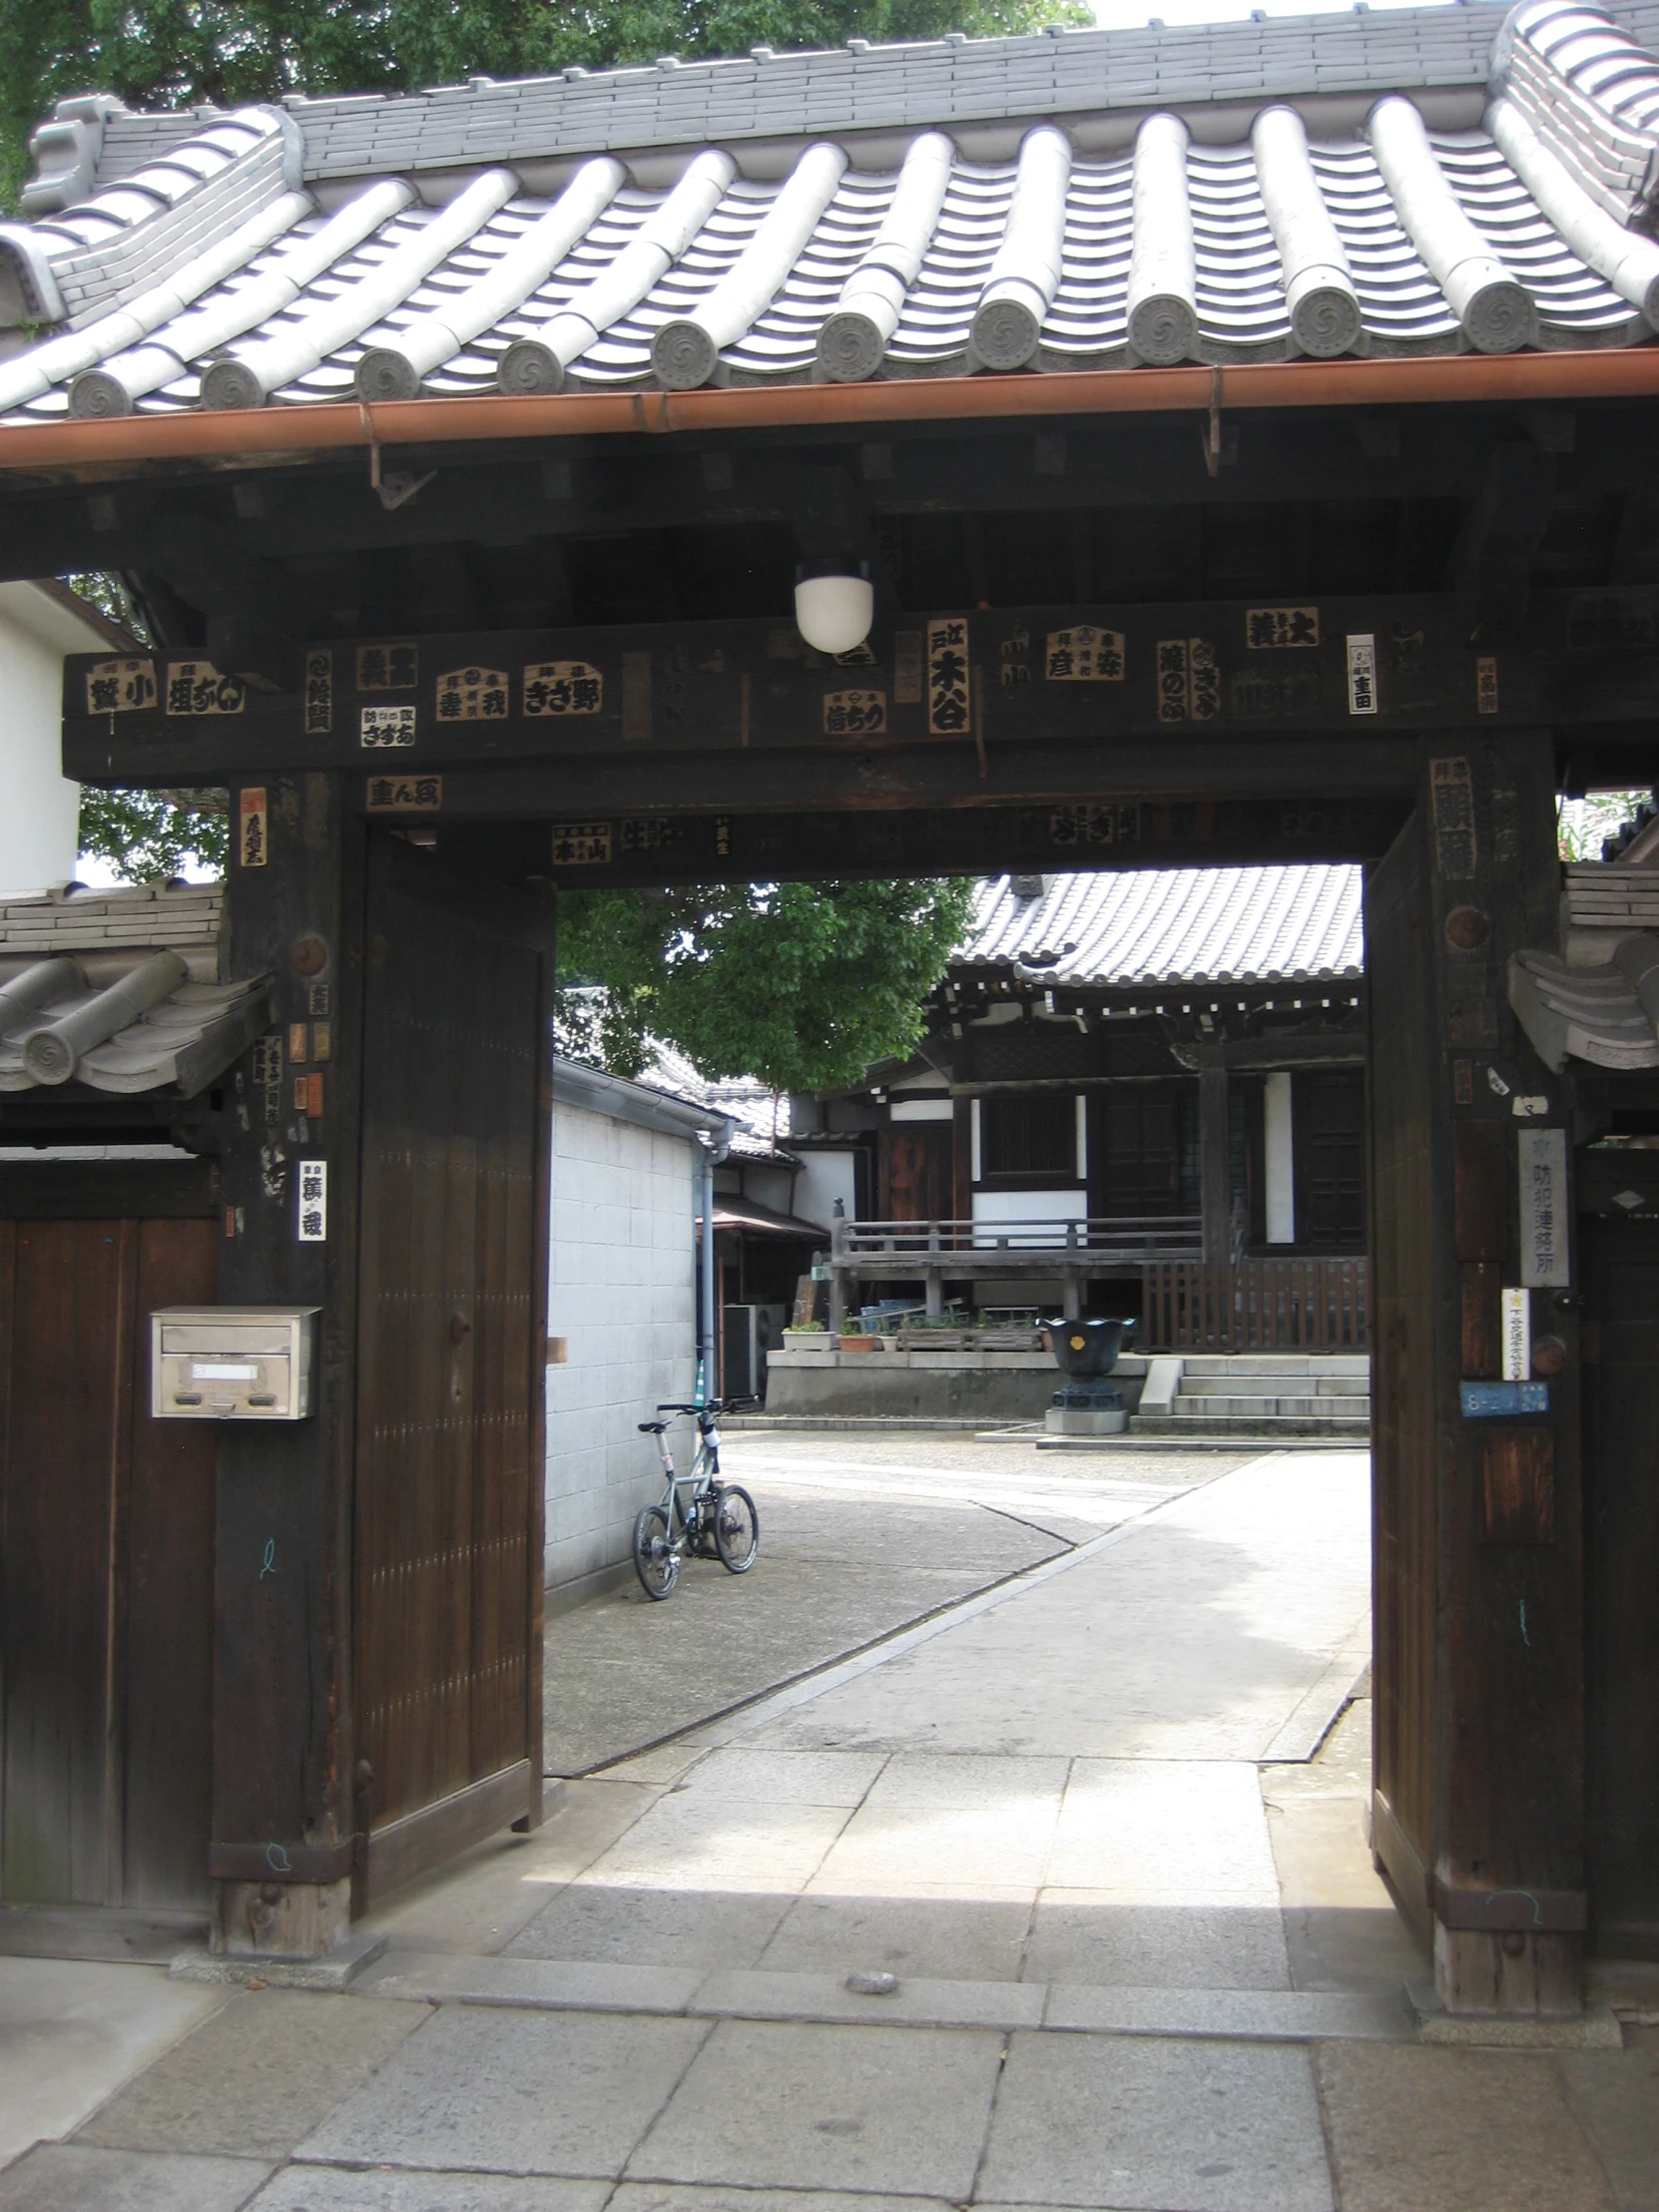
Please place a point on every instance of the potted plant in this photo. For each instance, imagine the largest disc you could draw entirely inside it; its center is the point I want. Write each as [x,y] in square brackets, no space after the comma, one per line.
[854,1339]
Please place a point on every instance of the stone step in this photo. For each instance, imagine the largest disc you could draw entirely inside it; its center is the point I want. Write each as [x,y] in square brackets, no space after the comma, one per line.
[1250,1404]
[1253,1383]
[1256,1424]
[1273,1363]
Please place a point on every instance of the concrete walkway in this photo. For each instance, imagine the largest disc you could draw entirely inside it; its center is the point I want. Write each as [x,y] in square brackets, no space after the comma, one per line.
[1057,1897]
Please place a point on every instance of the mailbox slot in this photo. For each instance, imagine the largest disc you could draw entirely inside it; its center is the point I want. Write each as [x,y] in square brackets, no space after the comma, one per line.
[231,1363]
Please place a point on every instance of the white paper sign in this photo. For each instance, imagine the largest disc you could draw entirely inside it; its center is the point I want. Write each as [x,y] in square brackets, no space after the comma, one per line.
[1517,1335]
[312,1224]
[1543,1208]
[1361,673]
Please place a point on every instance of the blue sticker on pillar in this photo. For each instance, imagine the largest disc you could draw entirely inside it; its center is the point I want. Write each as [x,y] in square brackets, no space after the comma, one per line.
[1503,1400]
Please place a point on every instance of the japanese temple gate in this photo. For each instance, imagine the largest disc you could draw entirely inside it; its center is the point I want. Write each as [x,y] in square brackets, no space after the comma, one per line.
[454,654]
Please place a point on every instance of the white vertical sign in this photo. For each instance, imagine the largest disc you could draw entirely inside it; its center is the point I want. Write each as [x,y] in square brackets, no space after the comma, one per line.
[1517,1335]
[1361,673]
[1543,1208]
[312,1224]
[1280,1144]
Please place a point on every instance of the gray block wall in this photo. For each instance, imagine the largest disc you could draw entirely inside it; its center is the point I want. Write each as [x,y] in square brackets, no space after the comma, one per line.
[620,1293]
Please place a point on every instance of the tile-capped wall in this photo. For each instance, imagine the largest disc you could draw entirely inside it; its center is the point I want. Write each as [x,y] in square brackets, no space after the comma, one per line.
[622,1293]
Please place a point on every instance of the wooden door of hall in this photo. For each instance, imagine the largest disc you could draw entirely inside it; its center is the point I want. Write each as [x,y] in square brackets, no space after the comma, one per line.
[451,1309]
[916,1171]
[106,1572]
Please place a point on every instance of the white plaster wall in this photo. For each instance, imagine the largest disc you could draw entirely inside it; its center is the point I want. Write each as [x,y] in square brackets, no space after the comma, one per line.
[620,1293]
[825,1177]
[40,819]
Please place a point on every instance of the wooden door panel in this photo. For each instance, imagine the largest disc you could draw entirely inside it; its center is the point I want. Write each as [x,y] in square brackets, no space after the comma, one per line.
[1143,1154]
[1621,1519]
[444,1473]
[71,1306]
[915,1159]
[167,1679]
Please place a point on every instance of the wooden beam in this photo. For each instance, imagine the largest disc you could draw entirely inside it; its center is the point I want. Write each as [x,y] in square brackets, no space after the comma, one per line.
[530,834]
[898,722]
[487,495]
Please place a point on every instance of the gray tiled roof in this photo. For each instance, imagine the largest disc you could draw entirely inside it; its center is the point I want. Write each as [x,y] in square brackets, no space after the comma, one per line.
[192,1026]
[1427,181]
[1181,927]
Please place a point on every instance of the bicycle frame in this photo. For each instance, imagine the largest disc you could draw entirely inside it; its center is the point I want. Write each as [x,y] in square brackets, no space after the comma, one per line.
[700,1482]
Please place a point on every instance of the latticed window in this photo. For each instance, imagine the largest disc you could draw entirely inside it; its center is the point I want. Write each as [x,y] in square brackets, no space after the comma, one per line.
[1036,1135]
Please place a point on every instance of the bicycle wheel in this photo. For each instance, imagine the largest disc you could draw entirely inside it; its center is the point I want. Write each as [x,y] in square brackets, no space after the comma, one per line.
[737,1530]
[656,1562]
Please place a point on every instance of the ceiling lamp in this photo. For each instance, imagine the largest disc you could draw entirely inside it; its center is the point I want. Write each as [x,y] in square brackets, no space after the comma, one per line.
[833,605]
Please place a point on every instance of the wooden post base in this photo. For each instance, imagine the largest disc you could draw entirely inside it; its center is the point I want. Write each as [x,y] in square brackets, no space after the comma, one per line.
[286,1919]
[1514,1971]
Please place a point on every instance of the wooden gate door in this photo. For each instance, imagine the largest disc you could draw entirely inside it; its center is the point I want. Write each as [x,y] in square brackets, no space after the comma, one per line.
[450,1465]
[107,1543]
[1622,1529]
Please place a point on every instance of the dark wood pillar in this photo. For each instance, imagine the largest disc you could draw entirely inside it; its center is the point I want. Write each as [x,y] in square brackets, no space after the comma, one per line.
[1215,1175]
[282,1817]
[1478,1810]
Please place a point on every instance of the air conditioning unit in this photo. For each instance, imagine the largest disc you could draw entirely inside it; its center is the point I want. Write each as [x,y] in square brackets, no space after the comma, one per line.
[750,1334]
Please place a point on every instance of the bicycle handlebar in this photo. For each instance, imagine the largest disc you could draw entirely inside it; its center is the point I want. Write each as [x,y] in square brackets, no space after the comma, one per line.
[714,1405]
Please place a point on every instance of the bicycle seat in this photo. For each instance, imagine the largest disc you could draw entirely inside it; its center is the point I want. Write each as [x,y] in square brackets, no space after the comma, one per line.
[652,1427]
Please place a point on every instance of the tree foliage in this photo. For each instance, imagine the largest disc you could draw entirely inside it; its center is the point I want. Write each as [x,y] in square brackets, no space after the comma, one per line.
[800,984]
[171,52]
[151,837]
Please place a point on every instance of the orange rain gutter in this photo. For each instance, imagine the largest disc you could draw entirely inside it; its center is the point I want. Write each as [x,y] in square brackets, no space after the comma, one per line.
[247,434]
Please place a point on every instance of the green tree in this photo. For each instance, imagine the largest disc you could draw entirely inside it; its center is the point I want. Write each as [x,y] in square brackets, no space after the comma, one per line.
[800,984]
[171,52]
[148,837]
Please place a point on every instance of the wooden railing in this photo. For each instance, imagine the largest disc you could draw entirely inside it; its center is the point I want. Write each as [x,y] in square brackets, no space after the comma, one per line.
[1258,1306]
[1100,1242]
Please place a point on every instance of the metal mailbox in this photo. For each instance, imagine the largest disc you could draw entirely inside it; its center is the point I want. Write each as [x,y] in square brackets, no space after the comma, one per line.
[231,1363]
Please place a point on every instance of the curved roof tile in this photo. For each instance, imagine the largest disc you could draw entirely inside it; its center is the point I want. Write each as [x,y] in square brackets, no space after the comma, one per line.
[1451,178]
[1176,926]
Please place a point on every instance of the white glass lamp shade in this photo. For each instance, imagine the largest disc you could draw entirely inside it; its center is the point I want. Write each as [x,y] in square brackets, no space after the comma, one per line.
[833,613]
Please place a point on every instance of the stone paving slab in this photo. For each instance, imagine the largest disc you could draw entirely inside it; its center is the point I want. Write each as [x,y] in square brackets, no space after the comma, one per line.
[542,1985]
[683,1843]
[1161,1832]
[884,2110]
[335,2189]
[822,1996]
[1616,2102]
[1265,2015]
[973,1939]
[746,1776]
[73,2030]
[635,1926]
[256,2077]
[512,2092]
[1437,2130]
[663,2196]
[71,2177]
[1157,2128]
[1092,1935]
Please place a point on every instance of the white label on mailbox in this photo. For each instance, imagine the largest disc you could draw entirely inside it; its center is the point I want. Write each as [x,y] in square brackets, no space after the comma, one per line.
[1517,1335]
[314,1202]
[222,1370]
[1543,1208]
